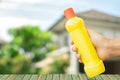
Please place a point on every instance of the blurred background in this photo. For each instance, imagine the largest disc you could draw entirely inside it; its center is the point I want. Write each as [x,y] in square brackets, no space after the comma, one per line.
[33,38]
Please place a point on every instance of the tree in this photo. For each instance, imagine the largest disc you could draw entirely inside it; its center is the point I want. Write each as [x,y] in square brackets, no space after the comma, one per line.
[25,40]
[33,40]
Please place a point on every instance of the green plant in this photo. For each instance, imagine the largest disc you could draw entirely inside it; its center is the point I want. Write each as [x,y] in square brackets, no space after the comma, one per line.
[25,40]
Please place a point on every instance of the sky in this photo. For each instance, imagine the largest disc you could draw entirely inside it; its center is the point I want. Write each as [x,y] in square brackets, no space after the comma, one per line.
[44,13]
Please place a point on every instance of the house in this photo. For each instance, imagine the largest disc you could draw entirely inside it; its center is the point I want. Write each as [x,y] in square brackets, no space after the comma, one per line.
[103,23]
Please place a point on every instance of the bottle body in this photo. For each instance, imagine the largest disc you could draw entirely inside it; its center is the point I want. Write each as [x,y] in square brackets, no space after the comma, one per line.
[80,37]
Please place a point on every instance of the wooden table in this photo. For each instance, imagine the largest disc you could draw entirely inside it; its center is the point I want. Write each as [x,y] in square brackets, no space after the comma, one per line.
[57,77]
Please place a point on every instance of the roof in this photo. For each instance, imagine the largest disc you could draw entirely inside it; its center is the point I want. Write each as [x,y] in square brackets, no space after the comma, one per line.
[97,15]
[91,15]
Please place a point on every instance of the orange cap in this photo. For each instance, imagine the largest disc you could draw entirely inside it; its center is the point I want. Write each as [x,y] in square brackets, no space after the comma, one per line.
[69,13]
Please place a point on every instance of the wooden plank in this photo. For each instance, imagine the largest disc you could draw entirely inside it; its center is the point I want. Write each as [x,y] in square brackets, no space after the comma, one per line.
[11,77]
[27,77]
[19,77]
[104,77]
[1,76]
[65,77]
[49,77]
[112,77]
[62,77]
[75,77]
[42,77]
[4,77]
[82,77]
[68,77]
[56,77]
[39,77]
[90,78]
[117,76]
[34,77]
[98,77]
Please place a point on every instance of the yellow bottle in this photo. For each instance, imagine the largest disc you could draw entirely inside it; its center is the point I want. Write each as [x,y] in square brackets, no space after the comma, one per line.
[93,65]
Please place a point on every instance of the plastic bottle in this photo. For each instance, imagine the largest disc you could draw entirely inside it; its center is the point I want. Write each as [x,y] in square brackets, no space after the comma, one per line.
[93,65]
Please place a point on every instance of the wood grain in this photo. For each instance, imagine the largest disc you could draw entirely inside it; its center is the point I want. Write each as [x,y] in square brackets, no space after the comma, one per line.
[58,77]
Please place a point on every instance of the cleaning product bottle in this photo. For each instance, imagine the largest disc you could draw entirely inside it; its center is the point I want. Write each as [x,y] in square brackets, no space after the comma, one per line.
[93,65]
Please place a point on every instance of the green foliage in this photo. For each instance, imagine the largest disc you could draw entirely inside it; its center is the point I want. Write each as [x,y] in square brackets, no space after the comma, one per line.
[18,64]
[9,50]
[28,40]
[30,37]
[31,40]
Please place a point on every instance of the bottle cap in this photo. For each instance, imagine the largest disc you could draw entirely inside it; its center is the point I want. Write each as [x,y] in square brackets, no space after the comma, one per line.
[69,13]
